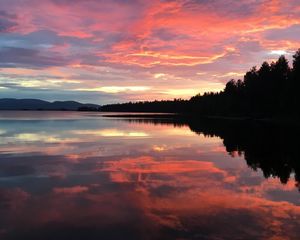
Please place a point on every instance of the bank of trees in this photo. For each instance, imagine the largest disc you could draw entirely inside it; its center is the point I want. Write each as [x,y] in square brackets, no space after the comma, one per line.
[268,91]
[174,106]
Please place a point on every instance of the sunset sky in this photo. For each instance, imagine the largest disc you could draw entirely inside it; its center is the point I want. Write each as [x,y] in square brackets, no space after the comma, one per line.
[120,50]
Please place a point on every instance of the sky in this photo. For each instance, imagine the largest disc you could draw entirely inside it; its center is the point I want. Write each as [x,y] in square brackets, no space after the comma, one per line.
[104,51]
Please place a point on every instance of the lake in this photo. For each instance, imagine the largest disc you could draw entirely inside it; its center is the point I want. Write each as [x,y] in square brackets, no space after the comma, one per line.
[79,175]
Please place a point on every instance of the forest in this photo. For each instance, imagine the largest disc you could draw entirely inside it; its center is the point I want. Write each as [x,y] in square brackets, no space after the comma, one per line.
[268,91]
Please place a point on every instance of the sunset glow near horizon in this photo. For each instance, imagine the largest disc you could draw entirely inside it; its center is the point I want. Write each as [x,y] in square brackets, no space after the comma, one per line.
[128,50]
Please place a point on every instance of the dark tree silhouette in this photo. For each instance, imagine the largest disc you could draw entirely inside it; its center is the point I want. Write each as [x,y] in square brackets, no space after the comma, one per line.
[295,84]
[177,105]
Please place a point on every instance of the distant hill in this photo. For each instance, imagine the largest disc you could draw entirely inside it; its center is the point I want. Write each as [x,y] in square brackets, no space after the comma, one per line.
[37,104]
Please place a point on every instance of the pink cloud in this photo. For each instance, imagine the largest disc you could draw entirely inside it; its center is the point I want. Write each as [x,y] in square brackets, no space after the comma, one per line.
[71,190]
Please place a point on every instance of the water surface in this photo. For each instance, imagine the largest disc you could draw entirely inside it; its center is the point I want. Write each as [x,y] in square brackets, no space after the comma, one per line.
[72,175]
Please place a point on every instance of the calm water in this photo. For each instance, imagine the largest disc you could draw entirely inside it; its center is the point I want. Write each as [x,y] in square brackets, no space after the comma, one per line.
[66,176]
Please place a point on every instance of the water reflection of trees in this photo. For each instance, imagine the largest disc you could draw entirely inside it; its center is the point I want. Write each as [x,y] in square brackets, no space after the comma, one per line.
[273,149]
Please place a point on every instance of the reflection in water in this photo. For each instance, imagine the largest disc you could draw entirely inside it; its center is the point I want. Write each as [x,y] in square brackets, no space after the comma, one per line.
[98,178]
[272,149]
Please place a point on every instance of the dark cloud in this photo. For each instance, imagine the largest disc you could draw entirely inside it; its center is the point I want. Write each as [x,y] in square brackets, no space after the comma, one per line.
[291,33]
[10,85]
[67,2]
[226,8]
[6,25]
[29,58]
[167,34]
[7,15]
[7,21]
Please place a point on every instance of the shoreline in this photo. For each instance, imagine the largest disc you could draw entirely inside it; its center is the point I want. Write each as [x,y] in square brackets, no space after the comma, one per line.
[280,121]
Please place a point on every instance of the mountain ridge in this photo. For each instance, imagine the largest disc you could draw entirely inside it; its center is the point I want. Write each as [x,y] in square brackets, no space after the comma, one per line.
[38,104]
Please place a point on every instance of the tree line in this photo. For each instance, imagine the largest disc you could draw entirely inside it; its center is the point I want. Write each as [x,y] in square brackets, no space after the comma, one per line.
[271,90]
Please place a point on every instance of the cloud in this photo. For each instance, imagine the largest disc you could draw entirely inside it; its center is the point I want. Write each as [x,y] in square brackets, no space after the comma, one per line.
[28,58]
[6,25]
[71,190]
[291,33]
